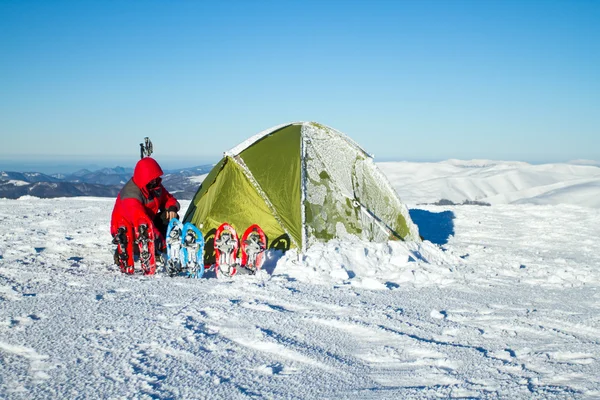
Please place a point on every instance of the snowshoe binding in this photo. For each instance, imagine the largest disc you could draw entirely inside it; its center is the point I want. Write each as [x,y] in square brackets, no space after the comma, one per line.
[254,244]
[124,250]
[192,251]
[226,248]
[145,241]
[174,237]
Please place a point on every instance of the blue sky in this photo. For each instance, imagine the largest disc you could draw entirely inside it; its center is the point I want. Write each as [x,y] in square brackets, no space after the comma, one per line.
[85,81]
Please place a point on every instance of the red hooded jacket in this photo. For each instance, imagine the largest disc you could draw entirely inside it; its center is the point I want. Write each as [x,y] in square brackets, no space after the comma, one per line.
[137,204]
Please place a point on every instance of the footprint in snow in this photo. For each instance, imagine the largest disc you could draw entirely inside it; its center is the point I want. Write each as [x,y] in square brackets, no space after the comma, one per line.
[23,321]
[276,369]
[438,314]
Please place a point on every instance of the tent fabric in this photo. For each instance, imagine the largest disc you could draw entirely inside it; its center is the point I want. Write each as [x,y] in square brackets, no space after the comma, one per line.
[302,183]
[232,198]
[275,165]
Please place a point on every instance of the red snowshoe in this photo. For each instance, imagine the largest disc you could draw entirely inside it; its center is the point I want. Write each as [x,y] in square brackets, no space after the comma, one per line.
[254,244]
[123,239]
[226,248]
[145,241]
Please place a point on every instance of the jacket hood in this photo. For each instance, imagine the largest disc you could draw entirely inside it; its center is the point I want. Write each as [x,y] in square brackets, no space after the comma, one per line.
[146,170]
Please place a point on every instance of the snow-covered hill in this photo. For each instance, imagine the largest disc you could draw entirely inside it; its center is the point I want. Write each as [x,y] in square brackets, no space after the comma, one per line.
[495,182]
[498,302]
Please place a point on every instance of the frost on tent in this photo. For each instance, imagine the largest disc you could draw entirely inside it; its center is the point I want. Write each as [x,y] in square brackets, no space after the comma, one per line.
[345,195]
[372,188]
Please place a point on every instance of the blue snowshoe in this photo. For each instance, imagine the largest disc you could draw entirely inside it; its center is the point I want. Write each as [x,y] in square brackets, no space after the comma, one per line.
[192,251]
[174,236]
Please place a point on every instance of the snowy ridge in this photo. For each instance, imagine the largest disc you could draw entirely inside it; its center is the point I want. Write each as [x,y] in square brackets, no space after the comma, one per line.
[17,183]
[584,192]
[483,163]
[585,162]
[494,182]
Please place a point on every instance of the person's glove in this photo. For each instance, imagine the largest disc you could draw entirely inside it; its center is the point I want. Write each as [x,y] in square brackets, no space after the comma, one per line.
[172,213]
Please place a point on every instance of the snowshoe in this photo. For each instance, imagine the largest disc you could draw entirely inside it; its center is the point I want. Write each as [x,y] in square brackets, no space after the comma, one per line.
[192,251]
[145,241]
[226,248]
[174,236]
[254,244]
[124,250]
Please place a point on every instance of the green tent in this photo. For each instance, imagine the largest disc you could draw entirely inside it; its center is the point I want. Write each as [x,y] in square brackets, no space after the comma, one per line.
[301,183]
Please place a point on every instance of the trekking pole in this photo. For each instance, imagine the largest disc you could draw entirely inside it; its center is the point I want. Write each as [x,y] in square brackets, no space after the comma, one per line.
[146,148]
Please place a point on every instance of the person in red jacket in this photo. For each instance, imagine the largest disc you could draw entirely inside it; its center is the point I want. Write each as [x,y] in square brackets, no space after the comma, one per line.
[144,200]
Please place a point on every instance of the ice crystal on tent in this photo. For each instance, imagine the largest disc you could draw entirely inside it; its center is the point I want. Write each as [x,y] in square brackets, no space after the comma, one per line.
[340,180]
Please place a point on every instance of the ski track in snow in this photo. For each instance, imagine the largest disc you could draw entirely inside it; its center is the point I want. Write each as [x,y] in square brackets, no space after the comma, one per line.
[507,307]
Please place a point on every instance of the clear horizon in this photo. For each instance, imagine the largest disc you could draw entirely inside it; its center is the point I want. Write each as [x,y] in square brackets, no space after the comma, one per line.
[66,165]
[417,80]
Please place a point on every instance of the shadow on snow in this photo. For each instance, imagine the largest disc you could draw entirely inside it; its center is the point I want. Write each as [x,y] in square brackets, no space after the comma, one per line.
[435,227]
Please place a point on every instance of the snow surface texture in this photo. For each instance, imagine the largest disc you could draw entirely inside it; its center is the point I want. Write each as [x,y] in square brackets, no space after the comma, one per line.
[498,302]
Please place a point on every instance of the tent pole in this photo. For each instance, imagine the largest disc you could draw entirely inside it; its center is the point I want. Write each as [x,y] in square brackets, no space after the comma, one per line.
[303,190]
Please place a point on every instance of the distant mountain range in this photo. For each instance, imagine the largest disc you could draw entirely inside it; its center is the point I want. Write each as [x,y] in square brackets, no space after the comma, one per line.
[106,182]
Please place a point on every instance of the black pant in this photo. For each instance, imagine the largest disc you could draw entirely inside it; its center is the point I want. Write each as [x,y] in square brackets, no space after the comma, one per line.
[162,224]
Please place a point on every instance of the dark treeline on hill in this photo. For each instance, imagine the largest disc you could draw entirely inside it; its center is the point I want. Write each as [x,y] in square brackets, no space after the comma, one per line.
[446,202]
[106,182]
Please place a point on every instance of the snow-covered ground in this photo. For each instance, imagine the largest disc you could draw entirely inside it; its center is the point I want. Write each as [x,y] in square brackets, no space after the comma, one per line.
[498,302]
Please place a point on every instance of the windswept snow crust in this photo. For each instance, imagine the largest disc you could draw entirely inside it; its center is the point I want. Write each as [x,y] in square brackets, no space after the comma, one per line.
[500,302]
